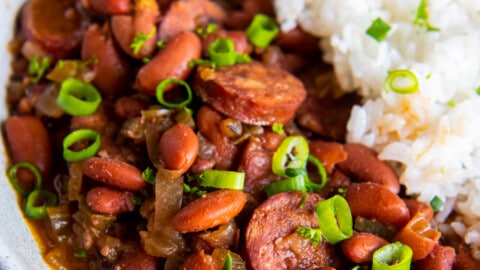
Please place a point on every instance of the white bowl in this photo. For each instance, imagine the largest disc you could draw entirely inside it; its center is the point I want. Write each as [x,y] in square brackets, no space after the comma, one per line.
[18,249]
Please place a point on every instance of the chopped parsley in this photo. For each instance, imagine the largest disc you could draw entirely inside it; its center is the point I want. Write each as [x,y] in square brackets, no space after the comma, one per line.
[314,235]
[37,67]
[378,29]
[139,40]
[148,175]
[278,128]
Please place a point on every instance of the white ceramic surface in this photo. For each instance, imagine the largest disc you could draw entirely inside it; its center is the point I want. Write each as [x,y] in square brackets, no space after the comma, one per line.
[18,250]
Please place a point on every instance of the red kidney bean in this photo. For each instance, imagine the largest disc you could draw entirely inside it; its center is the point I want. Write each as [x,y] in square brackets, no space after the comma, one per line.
[213,209]
[372,200]
[240,19]
[363,165]
[113,172]
[56,25]
[128,107]
[360,247]
[336,181]
[28,141]
[273,56]
[188,15]
[201,164]
[178,147]
[143,22]
[170,62]
[465,261]
[199,261]
[208,123]
[109,7]
[329,153]
[297,40]
[239,39]
[419,208]
[441,258]
[109,201]
[111,69]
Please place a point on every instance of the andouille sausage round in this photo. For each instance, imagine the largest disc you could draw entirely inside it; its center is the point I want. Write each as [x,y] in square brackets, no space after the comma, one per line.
[271,238]
[251,92]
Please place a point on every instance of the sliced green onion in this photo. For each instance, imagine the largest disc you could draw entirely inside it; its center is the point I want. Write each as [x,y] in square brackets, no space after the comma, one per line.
[161,89]
[320,168]
[335,219]
[295,171]
[222,52]
[421,18]
[196,62]
[77,136]
[228,262]
[12,176]
[285,185]
[478,91]
[292,153]
[203,32]
[436,203]
[262,30]
[393,256]
[77,97]
[222,179]
[378,29]
[37,203]
[139,40]
[37,68]
[314,235]
[401,81]
[278,128]
[148,175]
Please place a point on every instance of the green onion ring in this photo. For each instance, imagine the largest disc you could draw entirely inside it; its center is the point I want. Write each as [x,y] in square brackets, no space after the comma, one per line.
[12,176]
[222,52]
[289,184]
[397,253]
[77,97]
[262,30]
[161,89]
[401,81]
[292,153]
[76,136]
[320,168]
[33,209]
[335,219]
[222,179]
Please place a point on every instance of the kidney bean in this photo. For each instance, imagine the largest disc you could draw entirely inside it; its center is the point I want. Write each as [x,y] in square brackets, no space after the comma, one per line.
[297,40]
[372,200]
[336,181]
[126,27]
[188,15]
[170,62]
[360,247]
[28,141]
[113,172]
[273,56]
[213,209]
[363,165]
[329,153]
[109,201]
[199,261]
[441,258]
[109,7]
[465,261]
[111,69]
[56,25]
[240,19]
[419,208]
[208,123]
[239,39]
[178,147]
[137,259]
[128,107]
[419,235]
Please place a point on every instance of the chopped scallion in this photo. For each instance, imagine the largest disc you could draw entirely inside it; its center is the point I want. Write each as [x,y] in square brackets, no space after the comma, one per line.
[262,30]
[292,153]
[148,175]
[180,104]
[38,67]
[401,81]
[139,40]
[222,179]
[421,18]
[278,128]
[436,203]
[78,136]
[335,219]
[378,29]
[228,262]
[77,97]
[393,256]
[37,203]
[12,176]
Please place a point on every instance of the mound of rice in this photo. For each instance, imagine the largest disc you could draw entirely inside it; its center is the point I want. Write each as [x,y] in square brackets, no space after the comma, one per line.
[434,134]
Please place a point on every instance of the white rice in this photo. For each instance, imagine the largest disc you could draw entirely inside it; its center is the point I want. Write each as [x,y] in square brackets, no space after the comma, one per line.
[434,133]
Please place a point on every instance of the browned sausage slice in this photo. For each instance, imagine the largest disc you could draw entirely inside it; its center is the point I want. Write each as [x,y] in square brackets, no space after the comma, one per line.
[56,25]
[252,93]
[271,238]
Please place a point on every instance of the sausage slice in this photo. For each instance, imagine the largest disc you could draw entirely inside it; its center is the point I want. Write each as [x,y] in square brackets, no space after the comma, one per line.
[252,93]
[271,238]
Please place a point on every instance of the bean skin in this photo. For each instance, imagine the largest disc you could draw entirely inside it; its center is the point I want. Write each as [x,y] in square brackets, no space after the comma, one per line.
[363,165]
[441,258]
[360,247]
[170,62]
[213,209]
[178,147]
[372,200]
[419,208]
[199,261]
[28,141]
[109,201]
[137,259]
[111,69]
[109,7]
[113,172]
[329,153]
[465,261]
